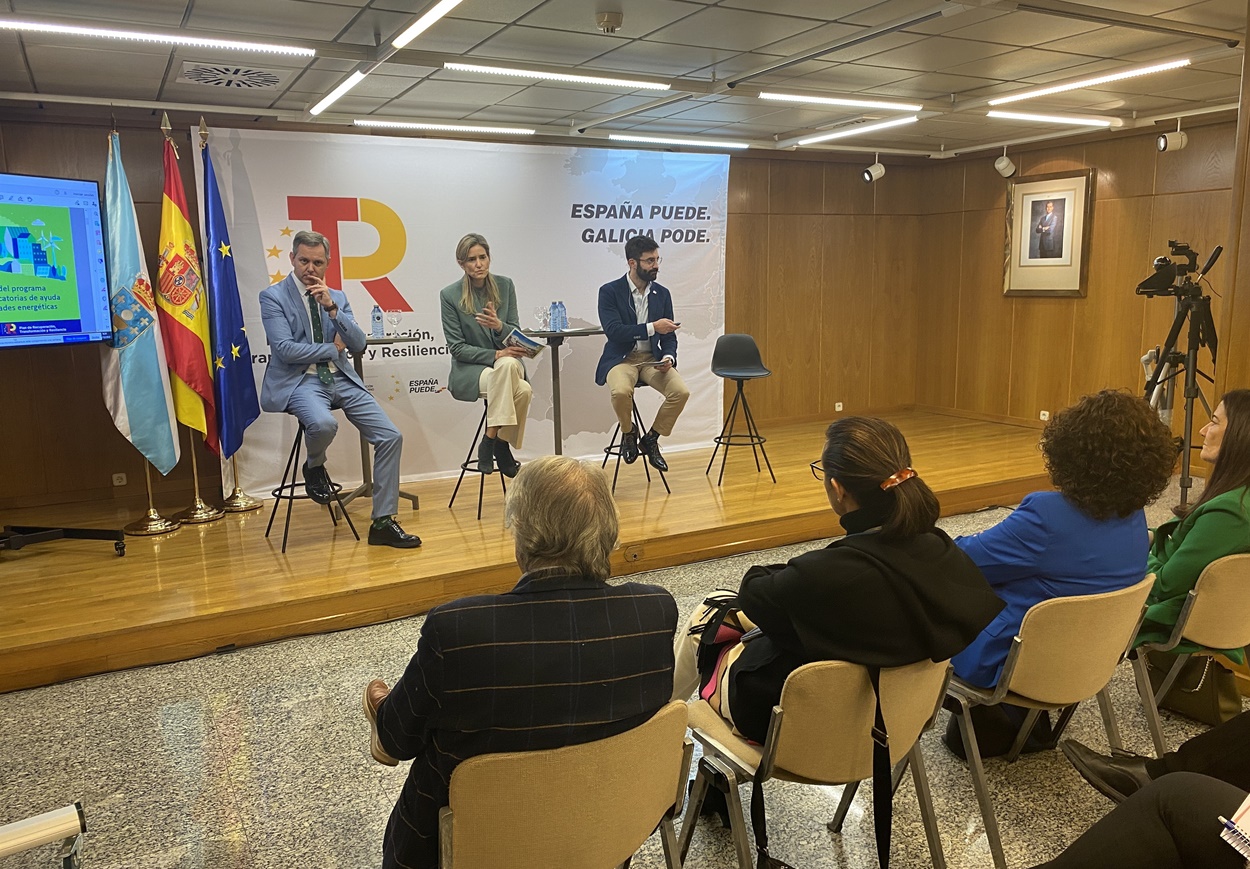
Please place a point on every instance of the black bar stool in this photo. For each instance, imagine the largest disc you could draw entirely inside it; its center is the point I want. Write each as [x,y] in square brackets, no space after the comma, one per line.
[471,465]
[737,358]
[294,491]
[614,449]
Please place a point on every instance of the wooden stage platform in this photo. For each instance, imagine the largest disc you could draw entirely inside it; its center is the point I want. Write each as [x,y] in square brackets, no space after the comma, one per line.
[72,608]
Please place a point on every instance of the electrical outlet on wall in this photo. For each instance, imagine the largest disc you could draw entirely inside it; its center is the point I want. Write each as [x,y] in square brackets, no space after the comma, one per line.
[838,407]
[1044,416]
[119,479]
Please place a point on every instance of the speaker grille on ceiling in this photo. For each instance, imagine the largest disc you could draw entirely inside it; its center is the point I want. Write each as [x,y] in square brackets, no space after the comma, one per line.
[242,77]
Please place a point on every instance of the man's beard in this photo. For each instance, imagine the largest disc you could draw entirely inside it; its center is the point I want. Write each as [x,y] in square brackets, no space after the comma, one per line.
[649,275]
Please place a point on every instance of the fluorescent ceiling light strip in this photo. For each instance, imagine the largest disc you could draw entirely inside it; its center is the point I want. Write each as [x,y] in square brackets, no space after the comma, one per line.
[162,38]
[347,84]
[1091,82]
[857,130]
[843,101]
[1071,120]
[665,140]
[424,23]
[558,76]
[449,128]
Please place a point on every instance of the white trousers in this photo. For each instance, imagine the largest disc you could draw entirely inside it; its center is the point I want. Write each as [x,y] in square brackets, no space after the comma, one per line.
[507,398]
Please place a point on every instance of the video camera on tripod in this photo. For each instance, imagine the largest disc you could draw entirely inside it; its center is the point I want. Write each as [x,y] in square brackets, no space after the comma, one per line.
[1163,364]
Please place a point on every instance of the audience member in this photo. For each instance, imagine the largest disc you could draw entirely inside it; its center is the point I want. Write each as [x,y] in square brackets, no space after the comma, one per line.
[1109,455]
[479,312]
[894,591]
[1218,524]
[563,658]
[1170,824]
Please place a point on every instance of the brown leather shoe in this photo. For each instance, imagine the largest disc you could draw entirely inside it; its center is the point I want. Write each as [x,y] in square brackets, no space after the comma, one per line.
[375,692]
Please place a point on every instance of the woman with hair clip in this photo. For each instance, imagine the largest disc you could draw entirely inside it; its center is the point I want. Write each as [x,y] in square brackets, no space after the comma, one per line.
[894,591]
[1218,524]
[479,312]
[1109,455]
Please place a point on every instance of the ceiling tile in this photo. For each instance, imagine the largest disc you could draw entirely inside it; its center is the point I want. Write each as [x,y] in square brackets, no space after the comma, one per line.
[1023,28]
[421,111]
[883,12]
[374,27]
[1020,65]
[813,38]
[500,11]
[640,17]
[1111,42]
[840,78]
[656,59]
[538,45]
[469,94]
[97,72]
[723,112]
[271,19]
[936,53]
[565,99]
[1212,92]
[112,13]
[1221,14]
[932,87]
[956,20]
[455,36]
[874,45]
[733,29]
[513,115]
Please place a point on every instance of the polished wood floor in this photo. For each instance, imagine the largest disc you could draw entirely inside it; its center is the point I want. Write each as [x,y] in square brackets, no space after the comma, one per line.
[71,608]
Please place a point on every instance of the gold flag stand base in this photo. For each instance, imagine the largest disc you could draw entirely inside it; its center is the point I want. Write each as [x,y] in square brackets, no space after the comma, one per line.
[151,523]
[199,513]
[241,502]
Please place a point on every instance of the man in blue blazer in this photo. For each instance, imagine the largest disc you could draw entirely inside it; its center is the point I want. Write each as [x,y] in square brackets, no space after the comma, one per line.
[309,328]
[637,315]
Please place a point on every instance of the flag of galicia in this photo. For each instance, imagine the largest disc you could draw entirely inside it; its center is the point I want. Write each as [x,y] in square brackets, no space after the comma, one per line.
[233,384]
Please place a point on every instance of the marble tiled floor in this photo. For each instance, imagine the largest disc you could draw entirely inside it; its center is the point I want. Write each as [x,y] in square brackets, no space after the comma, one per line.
[259,759]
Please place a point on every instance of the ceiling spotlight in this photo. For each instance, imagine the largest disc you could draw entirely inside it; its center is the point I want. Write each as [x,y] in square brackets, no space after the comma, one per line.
[1004,165]
[873,172]
[1172,141]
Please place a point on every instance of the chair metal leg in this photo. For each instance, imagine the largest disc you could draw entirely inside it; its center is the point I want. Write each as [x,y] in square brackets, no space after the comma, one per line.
[755,432]
[468,457]
[737,820]
[693,807]
[285,474]
[719,439]
[1022,736]
[1060,725]
[1148,704]
[979,785]
[668,839]
[286,527]
[896,776]
[920,778]
[1170,679]
[1108,721]
[844,806]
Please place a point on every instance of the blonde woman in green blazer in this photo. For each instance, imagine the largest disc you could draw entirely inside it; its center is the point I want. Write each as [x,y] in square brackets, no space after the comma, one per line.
[1217,525]
[479,311]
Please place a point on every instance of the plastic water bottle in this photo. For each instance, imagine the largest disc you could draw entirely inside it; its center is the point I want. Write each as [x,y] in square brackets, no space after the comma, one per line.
[377,331]
[564,317]
[553,317]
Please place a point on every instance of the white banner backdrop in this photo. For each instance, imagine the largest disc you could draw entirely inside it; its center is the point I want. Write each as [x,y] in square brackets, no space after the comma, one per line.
[556,219]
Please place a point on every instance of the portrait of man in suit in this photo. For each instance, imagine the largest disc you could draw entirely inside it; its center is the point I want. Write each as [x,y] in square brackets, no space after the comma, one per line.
[310,328]
[1048,229]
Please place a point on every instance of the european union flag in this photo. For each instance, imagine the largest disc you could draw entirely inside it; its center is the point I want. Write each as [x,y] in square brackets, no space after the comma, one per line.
[234,387]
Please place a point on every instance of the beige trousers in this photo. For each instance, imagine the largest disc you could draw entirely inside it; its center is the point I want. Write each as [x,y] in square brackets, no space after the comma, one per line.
[507,398]
[640,365]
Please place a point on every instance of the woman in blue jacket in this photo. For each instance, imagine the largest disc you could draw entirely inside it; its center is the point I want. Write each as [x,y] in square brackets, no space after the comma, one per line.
[1109,455]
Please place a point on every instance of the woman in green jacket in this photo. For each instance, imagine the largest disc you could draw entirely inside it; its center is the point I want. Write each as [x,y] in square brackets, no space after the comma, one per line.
[1217,525]
[479,312]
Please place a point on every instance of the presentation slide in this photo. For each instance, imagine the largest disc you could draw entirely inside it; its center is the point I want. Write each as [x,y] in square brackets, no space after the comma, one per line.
[53,280]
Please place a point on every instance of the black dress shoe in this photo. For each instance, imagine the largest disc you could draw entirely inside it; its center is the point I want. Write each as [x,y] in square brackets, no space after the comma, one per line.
[391,534]
[508,465]
[650,446]
[317,484]
[486,455]
[629,447]
[1116,778]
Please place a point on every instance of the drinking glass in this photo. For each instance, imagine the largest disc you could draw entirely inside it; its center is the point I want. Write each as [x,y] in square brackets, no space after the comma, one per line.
[394,317]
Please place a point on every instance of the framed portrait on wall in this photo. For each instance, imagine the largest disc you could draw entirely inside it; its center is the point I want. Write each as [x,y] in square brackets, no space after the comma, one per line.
[1049,223]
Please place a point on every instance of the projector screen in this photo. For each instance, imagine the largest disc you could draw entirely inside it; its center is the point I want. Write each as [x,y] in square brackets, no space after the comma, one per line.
[53,280]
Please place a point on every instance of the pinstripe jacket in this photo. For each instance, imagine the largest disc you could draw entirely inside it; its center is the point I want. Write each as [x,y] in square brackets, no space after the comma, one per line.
[559,660]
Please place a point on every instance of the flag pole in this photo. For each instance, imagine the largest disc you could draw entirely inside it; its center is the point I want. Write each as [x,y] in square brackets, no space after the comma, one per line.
[239,501]
[199,512]
[152,522]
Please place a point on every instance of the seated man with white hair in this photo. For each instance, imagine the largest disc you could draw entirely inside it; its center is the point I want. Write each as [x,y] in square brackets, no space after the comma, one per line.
[563,658]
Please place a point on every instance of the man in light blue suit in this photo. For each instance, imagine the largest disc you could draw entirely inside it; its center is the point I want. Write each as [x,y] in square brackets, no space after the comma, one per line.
[309,328]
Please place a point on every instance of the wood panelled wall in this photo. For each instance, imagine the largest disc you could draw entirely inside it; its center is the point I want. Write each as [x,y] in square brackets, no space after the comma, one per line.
[57,438]
[890,294]
[876,296]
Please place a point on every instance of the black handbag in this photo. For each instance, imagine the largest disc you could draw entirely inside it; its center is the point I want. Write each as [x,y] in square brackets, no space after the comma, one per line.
[1205,690]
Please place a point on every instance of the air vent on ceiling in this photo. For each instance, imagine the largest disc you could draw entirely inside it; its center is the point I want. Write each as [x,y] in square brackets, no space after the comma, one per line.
[227,76]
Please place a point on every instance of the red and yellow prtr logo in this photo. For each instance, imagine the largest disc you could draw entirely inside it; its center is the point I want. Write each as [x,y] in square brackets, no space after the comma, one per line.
[179,277]
[325,213]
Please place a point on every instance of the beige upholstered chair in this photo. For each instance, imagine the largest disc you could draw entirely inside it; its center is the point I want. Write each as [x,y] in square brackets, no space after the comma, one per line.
[821,733]
[1067,650]
[1215,615]
[592,804]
